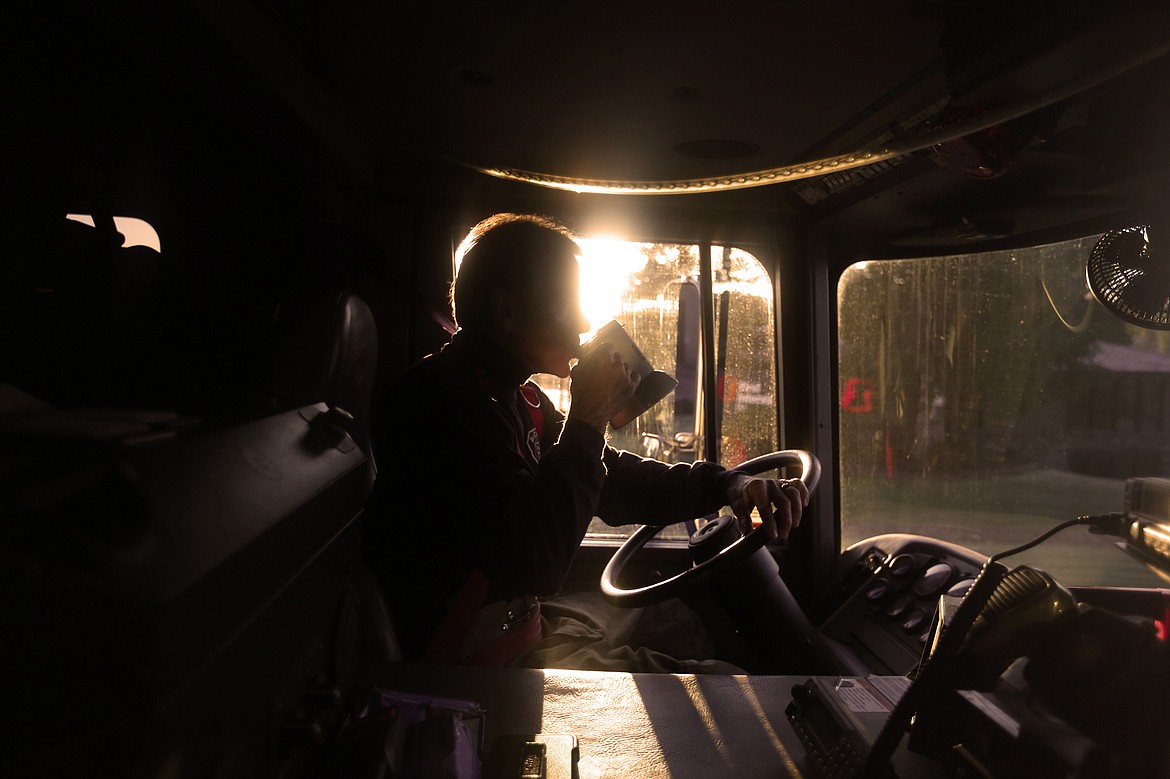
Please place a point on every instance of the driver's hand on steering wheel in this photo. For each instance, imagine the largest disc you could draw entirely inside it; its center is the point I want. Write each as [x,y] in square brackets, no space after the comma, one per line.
[788,496]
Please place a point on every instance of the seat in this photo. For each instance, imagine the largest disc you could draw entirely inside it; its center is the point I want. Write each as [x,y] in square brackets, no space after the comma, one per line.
[222,562]
[327,353]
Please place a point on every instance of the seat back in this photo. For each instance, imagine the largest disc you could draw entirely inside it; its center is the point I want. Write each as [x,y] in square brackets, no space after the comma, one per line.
[328,353]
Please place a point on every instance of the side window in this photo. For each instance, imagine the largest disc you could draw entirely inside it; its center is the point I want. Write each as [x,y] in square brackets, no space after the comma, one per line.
[986,397]
[654,290]
[135,232]
[97,319]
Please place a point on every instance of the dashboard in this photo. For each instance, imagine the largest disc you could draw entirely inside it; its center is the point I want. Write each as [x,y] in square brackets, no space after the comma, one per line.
[877,618]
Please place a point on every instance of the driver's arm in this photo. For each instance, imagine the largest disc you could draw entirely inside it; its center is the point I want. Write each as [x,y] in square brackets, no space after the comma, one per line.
[648,492]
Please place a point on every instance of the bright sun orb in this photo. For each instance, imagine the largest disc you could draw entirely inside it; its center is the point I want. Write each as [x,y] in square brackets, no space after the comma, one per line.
[607,265]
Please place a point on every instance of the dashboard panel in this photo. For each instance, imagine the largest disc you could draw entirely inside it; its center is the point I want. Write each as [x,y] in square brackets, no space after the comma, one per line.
[877,618]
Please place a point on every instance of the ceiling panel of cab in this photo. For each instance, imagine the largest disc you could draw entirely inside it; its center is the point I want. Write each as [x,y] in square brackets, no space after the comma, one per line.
[686,90]
[386,94]
[622,90]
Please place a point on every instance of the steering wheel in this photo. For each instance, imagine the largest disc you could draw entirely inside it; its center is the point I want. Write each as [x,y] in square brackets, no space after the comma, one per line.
[730,556]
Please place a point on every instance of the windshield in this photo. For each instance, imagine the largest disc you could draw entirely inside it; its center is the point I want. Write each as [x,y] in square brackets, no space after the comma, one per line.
[653,289]
[986,397]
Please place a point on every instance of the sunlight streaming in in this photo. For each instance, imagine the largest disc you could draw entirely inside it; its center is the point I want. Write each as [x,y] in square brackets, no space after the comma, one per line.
[749,695]
[136,232]
[718,740]
[607,266]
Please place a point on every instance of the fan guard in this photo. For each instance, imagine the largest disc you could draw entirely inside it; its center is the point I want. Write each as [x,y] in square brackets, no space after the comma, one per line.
[1129,278]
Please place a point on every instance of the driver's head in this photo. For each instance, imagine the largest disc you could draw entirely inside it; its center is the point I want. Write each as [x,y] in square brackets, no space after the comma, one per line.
[518,284]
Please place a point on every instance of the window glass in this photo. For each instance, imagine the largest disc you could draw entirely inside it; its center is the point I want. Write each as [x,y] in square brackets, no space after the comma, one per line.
[984,398]
[135,232]
[745,349]
[652,289]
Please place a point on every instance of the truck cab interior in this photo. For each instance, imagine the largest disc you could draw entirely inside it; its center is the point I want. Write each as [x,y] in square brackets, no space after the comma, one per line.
[915,252]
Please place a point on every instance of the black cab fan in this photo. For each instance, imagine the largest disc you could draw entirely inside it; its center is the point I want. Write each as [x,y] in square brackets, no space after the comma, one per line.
[1129,273]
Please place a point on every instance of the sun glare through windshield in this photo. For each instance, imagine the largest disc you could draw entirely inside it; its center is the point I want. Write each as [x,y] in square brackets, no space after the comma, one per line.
[653,289]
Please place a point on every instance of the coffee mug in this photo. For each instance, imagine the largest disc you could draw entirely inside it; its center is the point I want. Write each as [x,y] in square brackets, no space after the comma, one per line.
[654,384]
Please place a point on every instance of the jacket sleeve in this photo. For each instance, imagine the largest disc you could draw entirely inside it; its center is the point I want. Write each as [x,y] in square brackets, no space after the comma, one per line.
[648,492]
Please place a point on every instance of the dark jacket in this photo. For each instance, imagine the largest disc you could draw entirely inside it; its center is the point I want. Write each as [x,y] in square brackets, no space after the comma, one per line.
[465,482]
